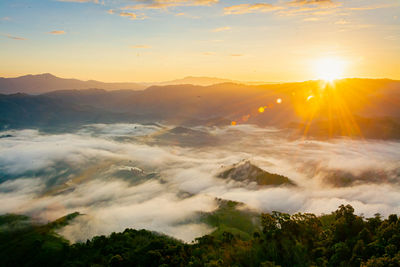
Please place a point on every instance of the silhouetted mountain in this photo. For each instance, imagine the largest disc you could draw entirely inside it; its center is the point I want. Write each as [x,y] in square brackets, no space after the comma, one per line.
[350,107]
[21,110]
[203,81]
[36,84]
[46,82]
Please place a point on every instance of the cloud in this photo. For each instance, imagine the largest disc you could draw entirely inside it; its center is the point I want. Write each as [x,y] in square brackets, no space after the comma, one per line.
[15,37]
[311,8]
[57,32]
[132,16]
[236,55]
[205,2]
[312,19]
[149,6]
[5,18]
[111,11]
[134,208]
[250,8]
[90,171]
[182,14]
[312,2]
[291,8]
[221,29]
[165,4]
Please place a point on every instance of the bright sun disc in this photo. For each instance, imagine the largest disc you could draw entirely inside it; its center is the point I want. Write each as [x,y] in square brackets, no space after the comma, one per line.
[329,69]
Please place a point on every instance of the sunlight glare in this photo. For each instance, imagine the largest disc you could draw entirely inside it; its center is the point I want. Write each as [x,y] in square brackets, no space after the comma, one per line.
[329,69]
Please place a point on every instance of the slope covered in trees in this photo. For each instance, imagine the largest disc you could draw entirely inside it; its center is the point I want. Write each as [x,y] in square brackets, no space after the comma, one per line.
[277,239]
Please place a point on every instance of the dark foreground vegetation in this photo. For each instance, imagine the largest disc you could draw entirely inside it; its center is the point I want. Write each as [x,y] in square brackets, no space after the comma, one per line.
[277,239]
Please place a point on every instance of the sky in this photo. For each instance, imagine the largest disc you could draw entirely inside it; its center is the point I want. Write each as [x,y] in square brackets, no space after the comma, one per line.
[159,40]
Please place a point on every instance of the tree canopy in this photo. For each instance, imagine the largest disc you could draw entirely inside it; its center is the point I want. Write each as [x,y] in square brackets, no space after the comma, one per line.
[341,238]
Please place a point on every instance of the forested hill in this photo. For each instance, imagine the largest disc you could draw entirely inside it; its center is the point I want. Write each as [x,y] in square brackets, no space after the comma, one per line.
[338,239]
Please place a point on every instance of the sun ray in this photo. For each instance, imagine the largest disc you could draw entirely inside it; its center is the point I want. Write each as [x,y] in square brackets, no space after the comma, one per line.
[329,69]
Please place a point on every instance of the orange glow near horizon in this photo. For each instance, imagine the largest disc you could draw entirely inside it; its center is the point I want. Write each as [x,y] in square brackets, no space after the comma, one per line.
[329,105]
[329,69]
[333,104]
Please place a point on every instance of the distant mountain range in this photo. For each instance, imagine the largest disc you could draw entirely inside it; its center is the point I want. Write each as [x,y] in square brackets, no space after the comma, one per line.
[351,107]
[203,81]
[43,83]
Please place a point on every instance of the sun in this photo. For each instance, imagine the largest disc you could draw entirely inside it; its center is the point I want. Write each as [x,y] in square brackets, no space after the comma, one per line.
[329,68]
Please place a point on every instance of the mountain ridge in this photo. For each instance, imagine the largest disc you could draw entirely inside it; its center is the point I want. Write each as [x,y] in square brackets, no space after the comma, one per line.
[47,82]
[361,101]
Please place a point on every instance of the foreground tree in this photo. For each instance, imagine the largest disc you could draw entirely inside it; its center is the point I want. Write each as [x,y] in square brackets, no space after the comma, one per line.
[279,239]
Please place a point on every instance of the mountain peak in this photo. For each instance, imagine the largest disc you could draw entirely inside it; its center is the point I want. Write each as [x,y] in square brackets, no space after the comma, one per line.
[47,82]
[41,75]
[47,76]
[246,171]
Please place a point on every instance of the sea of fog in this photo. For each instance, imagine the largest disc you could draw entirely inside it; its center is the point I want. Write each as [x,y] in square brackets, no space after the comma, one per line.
[161,177]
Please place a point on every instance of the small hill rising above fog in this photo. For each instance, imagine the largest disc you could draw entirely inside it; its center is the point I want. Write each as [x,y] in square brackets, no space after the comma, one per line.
[245,171]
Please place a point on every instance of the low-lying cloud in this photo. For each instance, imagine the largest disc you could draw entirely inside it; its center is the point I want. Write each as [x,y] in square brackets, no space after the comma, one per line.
[124,175]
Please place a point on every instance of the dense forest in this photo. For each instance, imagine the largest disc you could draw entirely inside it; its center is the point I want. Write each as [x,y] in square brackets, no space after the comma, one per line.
[241,238]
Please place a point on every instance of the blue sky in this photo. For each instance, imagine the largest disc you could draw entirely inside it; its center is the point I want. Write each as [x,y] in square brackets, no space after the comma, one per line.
[128,40]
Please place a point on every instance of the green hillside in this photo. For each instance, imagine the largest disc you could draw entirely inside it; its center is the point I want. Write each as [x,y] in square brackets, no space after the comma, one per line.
[275,239]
